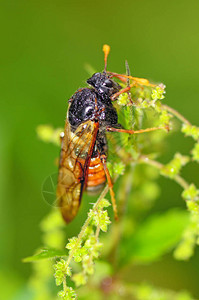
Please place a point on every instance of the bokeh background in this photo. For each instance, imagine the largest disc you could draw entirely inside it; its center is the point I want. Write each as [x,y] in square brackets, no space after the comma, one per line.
[44,47]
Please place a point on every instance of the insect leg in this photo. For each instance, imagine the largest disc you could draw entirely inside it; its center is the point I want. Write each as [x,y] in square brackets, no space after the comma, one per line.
[110,184]
[126,78]
[135,131]
[123,77]
[124,90]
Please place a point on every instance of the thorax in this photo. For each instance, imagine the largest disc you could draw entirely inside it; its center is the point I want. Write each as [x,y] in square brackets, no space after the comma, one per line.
[87,104]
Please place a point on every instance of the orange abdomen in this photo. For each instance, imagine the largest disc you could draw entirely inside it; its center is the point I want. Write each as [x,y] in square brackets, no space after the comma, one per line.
[96,175]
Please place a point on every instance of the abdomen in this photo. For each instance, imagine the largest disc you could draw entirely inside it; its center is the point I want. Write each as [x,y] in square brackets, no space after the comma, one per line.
[96,176]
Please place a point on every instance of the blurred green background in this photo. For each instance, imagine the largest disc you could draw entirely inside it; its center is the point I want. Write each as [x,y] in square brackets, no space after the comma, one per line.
[44,46]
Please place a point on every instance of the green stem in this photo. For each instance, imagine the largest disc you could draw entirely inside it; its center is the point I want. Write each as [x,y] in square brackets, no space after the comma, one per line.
[97,232]
[65,285]
[96,237]
[122,196]
[103,194]
[176,114]
[181,181]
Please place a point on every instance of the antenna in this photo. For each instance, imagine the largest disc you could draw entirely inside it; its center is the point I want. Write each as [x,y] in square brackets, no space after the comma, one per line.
[106,50]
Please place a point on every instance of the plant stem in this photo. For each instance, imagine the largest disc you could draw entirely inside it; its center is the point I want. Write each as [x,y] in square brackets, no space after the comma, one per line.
[181,181]
[122,196]
[97,232]
[103,194]
[64,285]
[176,114]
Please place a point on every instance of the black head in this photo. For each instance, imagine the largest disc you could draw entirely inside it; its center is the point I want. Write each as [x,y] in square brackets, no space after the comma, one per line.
[103,84]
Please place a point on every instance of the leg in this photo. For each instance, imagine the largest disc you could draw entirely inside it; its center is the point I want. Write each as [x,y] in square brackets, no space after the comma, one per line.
[135,131]
[125,90]
[110,184]
[126,78]
[141,81]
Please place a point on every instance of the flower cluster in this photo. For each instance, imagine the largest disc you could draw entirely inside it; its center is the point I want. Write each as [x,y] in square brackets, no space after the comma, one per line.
[190,239]
[48,134]
[190,130]
[174,166]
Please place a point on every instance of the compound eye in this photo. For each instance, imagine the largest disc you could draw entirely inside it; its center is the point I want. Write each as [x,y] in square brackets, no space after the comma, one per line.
[108,83]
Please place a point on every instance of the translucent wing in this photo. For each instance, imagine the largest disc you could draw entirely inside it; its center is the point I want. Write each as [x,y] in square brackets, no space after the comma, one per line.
[75,156]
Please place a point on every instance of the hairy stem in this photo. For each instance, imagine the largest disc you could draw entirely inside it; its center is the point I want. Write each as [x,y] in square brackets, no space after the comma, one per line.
[65,285]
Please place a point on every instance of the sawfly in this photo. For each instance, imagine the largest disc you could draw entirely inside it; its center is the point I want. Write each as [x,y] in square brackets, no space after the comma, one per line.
[84,147]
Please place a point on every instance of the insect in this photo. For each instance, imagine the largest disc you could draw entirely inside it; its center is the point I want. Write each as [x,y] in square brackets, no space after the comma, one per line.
[84,144]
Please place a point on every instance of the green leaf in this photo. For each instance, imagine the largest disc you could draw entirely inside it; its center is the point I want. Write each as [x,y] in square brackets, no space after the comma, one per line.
[155,237]
[46,254]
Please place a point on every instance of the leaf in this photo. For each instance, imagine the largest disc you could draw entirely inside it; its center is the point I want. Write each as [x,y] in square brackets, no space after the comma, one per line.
[155,237]
[46,254]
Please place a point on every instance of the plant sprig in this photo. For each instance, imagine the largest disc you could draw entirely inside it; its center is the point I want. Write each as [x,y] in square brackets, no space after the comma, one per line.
[85,249]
